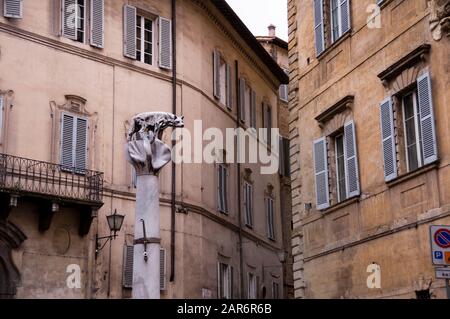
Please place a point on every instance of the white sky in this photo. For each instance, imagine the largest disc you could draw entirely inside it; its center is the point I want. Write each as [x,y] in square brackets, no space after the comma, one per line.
[258,14]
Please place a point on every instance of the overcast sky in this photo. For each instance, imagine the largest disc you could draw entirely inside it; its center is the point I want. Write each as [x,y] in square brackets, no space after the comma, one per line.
[258,14]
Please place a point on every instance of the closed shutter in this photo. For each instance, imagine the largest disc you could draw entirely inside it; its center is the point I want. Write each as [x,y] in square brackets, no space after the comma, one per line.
[129,20]
[81,144]
[388,140]
[269,125]
[128,260]
[67,138]
[231,282]
[253,110]
[427,121]
[13,9]
[162,270]
[351,160]
[219,189]
[225,189]
[165,43]
[283,92]
[69,19]
[222,189]
[97,23]
[321,173]
[1,119]
[229,88]
[219,281]
[242,86]
[216,68]
[318,26]
[345,15]
[248,203]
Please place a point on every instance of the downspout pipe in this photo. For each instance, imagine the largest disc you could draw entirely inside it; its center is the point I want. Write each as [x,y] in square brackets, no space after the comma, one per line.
[174,111]
[238,121]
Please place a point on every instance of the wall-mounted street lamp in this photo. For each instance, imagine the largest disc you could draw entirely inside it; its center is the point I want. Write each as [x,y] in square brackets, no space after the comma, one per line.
[115,222]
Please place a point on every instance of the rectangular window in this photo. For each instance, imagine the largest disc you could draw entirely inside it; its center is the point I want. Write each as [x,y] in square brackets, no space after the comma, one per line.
[267,120]
[225,281]
[144,40]
[251,286]
[411,120]
[336,30]
[284,92]
[80,13]
[223,81]
[270,218]
[74,139]
[222,188]
[248,103]
[340,168]
[248,204]
[275,290]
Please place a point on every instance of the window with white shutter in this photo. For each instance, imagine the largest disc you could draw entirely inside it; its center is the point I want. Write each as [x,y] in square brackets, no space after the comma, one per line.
[351,160]
[74,142]
[129,24]
[165,43]
[13,9]
[128,260]
[222,186]
[224,281]
[162,269]
[321,173]
[340,18]
[318,26]
[97,23]
[73,19]
[270,215]
[427,121]
[248,204]
[388,139]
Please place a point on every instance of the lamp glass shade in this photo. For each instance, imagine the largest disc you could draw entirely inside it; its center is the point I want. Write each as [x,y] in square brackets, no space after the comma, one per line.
[115,222]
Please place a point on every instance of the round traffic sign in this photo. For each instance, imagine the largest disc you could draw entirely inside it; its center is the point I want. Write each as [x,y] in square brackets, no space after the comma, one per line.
[442,238]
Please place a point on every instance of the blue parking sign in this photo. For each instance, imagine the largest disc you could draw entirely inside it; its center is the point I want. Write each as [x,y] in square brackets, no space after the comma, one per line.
[438,255]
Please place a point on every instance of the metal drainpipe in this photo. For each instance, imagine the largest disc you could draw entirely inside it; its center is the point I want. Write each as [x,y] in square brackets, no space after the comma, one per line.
[238,120]
[174,111]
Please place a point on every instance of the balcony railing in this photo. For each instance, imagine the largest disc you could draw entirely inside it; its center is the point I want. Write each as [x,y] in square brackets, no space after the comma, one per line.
[28,177]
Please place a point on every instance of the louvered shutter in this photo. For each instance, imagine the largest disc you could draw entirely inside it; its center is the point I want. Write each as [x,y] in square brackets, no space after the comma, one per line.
[81,144]
[128,261]
[345,15]
[388,140]
[219,286]
[269,125]
[318,26]
[165,43]
[321,173]
[13,9]
[1,118]
[242,86]
[231,282]
[97,23]
[229,88]
[225,189]
[427,121]
[216,68]
[129,18]
[69,19]
[253,109]
[351,160]
[162,270]
[67,138]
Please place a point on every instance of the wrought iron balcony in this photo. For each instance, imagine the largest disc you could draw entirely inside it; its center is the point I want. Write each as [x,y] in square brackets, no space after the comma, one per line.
[26,177]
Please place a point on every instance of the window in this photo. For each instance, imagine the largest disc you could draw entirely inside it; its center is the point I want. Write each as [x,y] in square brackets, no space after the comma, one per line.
[225,281]
[80,18]
[222,80]
[275,290]
[346,166]
[248,204]
[144,40]
[413,142]
[417,127]
[285,160]
[340,168]
[252,288]
[247,104]
[270,218]
[284,92]
[222,188]
[74,142]
[13,9]
[267,121]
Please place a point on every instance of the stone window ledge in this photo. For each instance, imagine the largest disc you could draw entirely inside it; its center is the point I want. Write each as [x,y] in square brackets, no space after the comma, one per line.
[408,176]
[336,43]
[340,205]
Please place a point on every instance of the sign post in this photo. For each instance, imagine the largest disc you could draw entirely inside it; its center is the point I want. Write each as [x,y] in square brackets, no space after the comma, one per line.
[440,252]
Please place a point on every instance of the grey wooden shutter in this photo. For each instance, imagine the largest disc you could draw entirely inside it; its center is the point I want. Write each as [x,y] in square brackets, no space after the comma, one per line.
[253,110]
[216,69]
[345,15]
[219,276]
[427,121]
[67,137]
[128,261]
[13,9]
[242,99]
[318,26]
[269,125]
[162,270]
[388,140]
[97,23]
[165,43]
[69,19]
[229,88]
[321,173]
[351,160]
[81,143]
[1,118]
[129,24]
[225,189]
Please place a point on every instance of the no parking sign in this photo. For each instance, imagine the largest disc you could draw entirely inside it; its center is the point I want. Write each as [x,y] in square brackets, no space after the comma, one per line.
[440,245]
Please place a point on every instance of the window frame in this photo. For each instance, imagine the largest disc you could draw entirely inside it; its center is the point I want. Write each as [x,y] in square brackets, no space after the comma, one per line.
[270,215]
[84,29]
[248,188]
[222,189]
[141,18]
[224,283]
[343,158]
[417,129]
[332,21]
[74,168]
[252,286]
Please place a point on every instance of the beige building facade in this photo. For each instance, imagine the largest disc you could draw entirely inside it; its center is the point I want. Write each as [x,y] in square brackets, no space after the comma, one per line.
[72,73]
[369,127]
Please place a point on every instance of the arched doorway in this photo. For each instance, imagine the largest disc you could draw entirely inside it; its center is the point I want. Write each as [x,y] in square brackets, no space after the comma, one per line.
[11,237]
